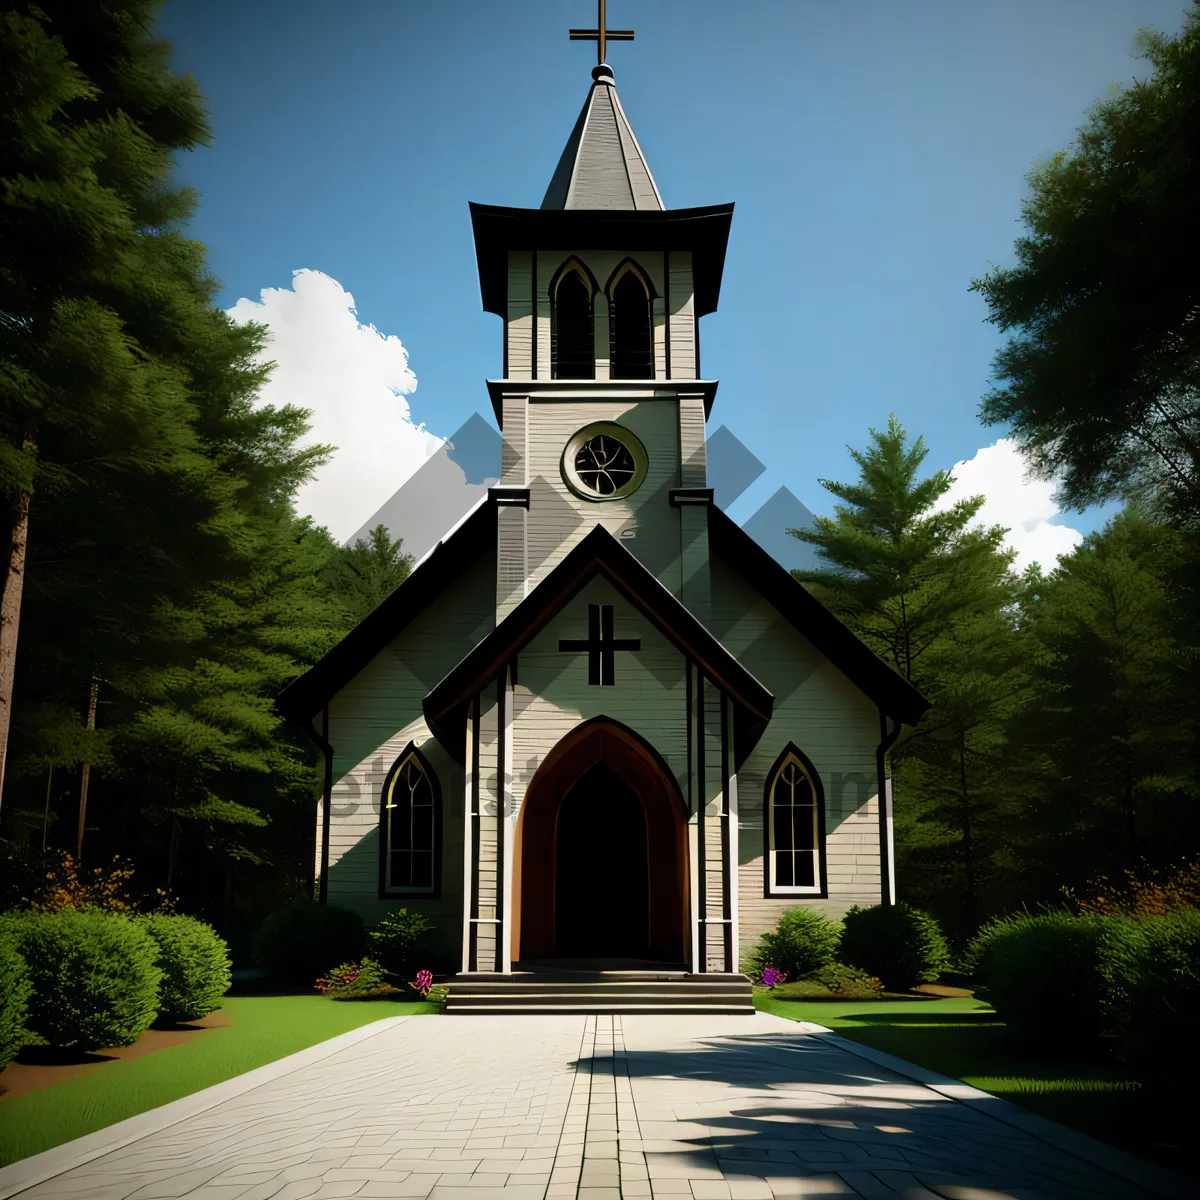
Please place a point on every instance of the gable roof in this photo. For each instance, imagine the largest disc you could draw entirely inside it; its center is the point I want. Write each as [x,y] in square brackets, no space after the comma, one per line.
[308,693]
[598,554]
[861,665]
[602,166]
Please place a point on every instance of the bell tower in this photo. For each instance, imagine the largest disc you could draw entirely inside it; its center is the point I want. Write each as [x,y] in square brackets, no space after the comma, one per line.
[602,407]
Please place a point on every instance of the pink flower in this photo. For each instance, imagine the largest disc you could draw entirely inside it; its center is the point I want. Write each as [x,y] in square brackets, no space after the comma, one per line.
[424,982]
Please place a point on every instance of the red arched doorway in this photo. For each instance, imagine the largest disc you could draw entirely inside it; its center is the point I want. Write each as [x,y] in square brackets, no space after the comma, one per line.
[601,852]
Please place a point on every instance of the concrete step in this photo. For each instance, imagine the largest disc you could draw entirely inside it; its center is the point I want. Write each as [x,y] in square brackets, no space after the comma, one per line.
[591,1000]
[599,991]
[491,988]
[574,1009]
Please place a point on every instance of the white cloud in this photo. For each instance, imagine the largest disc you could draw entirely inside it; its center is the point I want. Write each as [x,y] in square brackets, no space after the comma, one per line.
[1023,506]
[354,379]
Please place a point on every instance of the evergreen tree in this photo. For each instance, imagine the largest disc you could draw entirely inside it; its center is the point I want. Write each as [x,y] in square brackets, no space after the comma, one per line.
[1100,381]
[1110,736]
[363,575]
[165,560]
[932,596]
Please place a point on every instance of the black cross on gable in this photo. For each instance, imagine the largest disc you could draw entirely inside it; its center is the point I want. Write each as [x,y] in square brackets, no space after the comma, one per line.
[600,644]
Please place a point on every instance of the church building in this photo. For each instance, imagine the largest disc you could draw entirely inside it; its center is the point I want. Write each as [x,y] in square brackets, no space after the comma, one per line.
[598,723]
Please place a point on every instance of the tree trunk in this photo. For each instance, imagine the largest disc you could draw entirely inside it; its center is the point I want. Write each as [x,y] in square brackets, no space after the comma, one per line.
[87,772]
[173,854]
[11,586]
[46,814]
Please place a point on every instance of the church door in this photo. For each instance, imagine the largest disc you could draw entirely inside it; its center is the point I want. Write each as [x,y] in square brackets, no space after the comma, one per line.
[601,881]
[600,858]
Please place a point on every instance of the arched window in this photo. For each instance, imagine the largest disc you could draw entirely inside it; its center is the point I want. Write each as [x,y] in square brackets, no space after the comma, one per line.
[410,827]
[631,326]
[572,329]
[795,828]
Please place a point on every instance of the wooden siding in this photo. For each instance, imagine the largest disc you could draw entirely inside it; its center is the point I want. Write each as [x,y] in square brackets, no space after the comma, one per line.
[682,317]
[371,721]
[835,725]
[518,325]
[601,263]
[645,521]
[553,695]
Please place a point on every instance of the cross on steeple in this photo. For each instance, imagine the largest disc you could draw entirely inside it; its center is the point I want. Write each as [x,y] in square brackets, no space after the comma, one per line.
[600,35]
[600,644]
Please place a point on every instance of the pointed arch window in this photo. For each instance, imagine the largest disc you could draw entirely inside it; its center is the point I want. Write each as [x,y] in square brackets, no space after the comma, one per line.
[631,324]
[795,828]
[410,828]
[572,324]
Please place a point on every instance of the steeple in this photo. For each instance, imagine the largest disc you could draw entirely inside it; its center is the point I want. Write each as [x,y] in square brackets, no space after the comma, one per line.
[603,166]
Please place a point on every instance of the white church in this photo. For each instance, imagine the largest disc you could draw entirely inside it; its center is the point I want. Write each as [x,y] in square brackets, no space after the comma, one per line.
[598,727]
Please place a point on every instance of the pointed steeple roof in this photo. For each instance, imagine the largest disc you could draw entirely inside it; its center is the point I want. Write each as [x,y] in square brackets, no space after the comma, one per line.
[603,166]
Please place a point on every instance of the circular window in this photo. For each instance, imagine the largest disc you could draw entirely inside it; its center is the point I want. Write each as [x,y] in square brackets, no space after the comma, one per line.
[604,462]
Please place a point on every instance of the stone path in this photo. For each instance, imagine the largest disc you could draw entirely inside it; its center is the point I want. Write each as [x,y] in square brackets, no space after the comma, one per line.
[588,1108]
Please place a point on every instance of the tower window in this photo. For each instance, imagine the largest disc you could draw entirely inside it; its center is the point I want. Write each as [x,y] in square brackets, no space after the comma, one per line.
[632,330]
[573,338]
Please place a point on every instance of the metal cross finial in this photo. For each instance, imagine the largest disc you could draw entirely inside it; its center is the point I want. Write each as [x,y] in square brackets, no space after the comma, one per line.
[600,35]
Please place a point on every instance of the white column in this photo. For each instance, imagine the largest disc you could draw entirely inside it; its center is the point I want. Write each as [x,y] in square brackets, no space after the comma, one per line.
[470,804]
[505,733]
[731,808]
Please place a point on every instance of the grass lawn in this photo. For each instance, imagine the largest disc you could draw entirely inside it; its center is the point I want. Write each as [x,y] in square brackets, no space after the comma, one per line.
[261,1029]
[965,1039]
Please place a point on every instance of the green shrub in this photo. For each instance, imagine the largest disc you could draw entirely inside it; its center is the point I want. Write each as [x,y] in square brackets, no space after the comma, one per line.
[847,982]
[362,980]
[1060,982]
[804,940]
[1157,1029]
[95,982]
[300,940]
[195,966]
[399,941]
[896,943]
[15,987]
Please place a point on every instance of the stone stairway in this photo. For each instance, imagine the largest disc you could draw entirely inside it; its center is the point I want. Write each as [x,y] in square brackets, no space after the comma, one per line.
[577,991]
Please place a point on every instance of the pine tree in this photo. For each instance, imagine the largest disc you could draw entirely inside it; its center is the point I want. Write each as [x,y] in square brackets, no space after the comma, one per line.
[931,595]
[363,575]
[1111,734]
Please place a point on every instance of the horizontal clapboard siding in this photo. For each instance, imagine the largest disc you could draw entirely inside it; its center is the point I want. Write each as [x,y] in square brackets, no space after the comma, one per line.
[558,519]
[682,317]
[372,720]
[818,709]
[518,326]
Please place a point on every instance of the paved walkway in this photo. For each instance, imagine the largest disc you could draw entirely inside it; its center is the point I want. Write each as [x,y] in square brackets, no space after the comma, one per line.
[587,1108]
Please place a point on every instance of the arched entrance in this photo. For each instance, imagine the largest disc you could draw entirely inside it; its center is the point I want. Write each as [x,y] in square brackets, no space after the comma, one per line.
[601,866]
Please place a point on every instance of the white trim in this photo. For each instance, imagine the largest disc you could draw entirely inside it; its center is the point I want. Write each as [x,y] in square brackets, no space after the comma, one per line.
[468,817]
[731,808]
[890,848]
[792,889]
[510,824]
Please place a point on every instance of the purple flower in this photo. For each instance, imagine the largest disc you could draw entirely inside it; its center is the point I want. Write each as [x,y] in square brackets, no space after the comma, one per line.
[771,976]
[424,982]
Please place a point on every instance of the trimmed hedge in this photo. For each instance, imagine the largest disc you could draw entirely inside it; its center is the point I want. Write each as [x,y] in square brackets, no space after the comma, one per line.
[1061,983]
[298,943]
[15,988]
[1157,1029]
[804,940]
[195,966]
[95,982]
[896,943]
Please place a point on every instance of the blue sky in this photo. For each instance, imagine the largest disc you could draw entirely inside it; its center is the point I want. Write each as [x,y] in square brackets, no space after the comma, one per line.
[876,152]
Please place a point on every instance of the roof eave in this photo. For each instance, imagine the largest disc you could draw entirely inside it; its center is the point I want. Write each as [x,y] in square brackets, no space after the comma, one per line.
[703,231]
[857,661]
